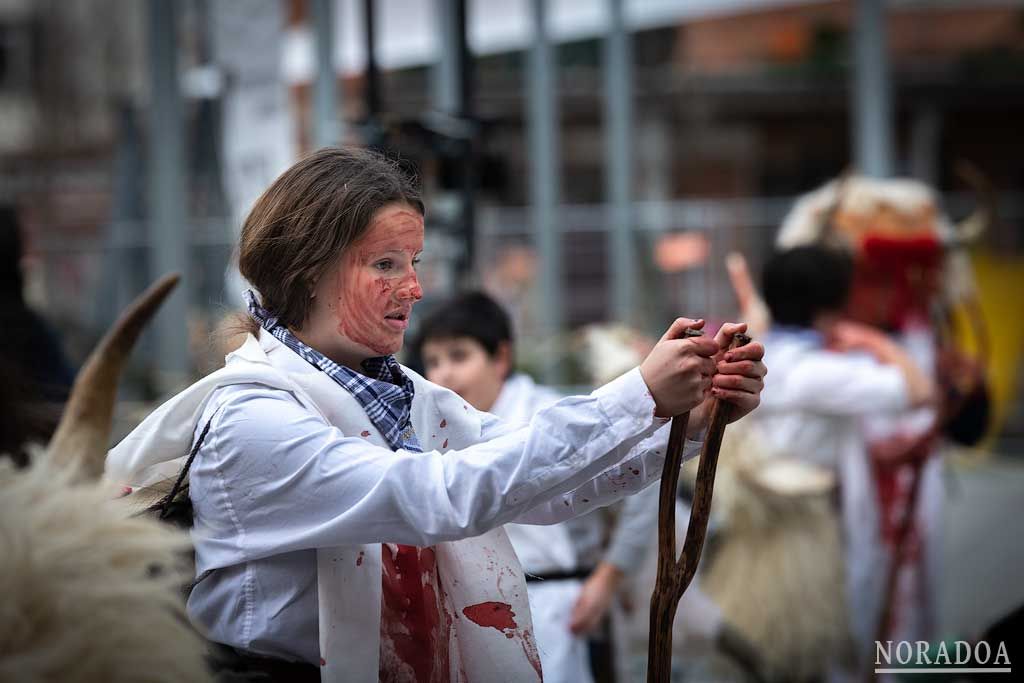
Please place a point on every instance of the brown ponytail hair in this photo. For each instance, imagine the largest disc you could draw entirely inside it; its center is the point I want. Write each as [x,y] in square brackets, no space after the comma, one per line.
[308,216]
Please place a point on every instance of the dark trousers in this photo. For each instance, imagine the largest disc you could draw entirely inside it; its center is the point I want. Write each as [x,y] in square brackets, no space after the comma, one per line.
[232,666]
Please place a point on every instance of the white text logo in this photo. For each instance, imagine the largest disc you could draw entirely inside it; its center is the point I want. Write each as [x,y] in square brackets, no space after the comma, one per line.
[905,657]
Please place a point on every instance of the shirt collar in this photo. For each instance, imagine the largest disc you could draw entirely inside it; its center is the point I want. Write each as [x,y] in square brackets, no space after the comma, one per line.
[385,392]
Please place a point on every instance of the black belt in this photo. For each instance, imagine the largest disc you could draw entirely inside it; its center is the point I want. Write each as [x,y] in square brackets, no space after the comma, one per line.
[234,666]
[559,576]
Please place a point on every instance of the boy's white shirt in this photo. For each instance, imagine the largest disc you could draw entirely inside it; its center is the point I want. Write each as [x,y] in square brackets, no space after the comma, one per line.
[553,486]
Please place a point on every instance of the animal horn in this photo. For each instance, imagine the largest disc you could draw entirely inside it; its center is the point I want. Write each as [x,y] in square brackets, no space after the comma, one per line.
[82,436]
[968,230]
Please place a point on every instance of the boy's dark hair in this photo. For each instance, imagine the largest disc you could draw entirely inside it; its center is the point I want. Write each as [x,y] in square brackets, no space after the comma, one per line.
[803,282]
[472,314]
[308,216]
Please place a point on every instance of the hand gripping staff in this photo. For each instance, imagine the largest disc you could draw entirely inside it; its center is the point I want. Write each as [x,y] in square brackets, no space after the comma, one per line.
[675,575]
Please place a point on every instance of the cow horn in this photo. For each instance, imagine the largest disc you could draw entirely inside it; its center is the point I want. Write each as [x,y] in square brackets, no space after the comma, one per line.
[82,436]
[967,231]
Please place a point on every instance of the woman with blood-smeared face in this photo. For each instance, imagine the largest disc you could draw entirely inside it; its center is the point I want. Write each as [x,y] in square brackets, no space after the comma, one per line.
[348,512]
[362,303]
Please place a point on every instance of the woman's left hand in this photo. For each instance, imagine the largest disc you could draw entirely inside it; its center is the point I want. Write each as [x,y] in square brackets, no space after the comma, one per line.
[738,379]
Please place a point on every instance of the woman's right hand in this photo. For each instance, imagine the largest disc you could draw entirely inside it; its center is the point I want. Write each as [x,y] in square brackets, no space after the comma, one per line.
[678,370]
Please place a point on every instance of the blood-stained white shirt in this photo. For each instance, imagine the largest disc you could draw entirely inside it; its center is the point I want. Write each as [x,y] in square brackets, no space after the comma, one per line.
[273,482]
[582,541]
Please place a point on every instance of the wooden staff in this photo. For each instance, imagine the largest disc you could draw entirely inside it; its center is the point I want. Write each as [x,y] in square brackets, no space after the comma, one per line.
[675,575]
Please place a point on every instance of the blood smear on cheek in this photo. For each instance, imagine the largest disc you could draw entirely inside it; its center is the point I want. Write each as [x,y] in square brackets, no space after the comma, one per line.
[363,302]
[366,295]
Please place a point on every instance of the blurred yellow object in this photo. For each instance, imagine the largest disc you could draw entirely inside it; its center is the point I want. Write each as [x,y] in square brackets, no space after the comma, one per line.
[1000,282]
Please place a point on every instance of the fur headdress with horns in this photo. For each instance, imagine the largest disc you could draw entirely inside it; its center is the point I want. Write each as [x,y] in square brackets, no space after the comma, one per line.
[90,592]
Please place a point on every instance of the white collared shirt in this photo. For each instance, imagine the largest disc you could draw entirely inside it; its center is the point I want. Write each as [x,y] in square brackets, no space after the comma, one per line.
[273,482]
[583,541]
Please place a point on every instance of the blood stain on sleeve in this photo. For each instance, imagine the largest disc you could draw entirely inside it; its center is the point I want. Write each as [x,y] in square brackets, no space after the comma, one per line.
[444,423]
[445,444]
[365,433]
[359,560]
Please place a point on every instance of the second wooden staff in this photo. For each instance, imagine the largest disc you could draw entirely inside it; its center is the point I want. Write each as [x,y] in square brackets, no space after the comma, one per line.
[674,575]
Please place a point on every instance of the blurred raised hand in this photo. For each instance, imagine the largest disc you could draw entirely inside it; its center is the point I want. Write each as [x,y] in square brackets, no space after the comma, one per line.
[753,310]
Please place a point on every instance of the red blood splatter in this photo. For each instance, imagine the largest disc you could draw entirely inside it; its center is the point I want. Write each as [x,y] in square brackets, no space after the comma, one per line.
[617,480]
[530,650]
[126,490]
[428,560]
[497,615]
[444,606]
[411,613]
[323,662]
[445,444]
[365,433]
[636,472]
[444,423]
[359,560]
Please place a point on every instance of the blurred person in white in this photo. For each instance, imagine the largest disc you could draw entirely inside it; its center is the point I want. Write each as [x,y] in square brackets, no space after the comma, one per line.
[573,575]
[913,280]
[829,377]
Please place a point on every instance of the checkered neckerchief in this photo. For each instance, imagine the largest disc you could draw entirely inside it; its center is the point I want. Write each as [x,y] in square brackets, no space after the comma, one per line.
[386,394]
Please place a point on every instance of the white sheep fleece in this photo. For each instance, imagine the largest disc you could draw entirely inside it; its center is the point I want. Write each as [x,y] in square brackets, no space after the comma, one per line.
[89,593]
[861,195]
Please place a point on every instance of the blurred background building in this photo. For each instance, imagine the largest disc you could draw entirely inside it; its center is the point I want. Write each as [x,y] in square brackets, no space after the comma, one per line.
[583,160]
[123,121]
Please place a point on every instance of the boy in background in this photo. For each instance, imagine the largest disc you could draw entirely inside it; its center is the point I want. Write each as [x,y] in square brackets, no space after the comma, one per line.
[466,345]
